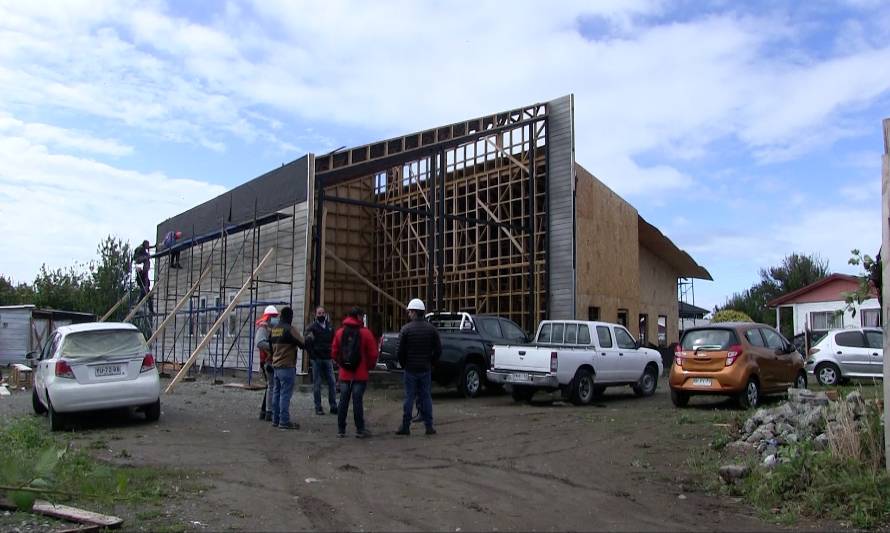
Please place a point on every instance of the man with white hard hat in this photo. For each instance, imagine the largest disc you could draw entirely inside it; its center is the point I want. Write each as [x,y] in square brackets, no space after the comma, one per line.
[263,328]
[419,349]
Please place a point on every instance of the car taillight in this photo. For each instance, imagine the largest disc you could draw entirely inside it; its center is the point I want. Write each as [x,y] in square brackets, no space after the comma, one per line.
[679,355]
[733,353]
[554,362]
[148,362]
[63,370]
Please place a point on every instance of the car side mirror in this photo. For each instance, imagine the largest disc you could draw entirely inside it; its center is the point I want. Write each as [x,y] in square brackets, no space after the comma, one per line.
[31,355]
[638,344]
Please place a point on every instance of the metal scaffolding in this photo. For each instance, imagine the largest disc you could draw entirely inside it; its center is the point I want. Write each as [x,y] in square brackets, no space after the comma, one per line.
[193,298]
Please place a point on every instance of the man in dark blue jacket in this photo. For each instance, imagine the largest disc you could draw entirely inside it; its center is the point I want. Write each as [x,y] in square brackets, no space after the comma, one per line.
[319,336]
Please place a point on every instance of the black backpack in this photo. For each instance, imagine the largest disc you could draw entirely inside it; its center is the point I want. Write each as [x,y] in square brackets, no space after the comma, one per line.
[350,348]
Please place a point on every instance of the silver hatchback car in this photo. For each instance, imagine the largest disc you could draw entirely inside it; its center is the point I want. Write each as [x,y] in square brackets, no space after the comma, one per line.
[847,353]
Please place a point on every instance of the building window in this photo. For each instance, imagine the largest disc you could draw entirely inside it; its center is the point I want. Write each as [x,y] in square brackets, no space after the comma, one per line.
[662,330]
[644,329]
[622,317]
[593,313]
[825,320]
[871,318]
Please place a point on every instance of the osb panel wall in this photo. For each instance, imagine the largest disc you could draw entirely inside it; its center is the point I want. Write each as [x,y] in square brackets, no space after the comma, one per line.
[349,235]
[607,248]
[658,295]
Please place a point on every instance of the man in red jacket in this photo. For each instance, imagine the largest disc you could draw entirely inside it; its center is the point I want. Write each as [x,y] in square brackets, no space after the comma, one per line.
[355,351]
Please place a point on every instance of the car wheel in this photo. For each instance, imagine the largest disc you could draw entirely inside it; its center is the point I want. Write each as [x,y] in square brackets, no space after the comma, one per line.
[470,381]
[750,396]
[39,408]
[56,420]
[800,382]
[647,383]
[679,398]
[582,387]
[828,374]
[153,411]
[522,393]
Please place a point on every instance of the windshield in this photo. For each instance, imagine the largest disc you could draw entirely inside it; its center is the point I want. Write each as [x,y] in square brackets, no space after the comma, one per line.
[709,339]
[103,343]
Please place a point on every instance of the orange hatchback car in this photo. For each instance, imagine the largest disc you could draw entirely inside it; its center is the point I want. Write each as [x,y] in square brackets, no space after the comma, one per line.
[740,359]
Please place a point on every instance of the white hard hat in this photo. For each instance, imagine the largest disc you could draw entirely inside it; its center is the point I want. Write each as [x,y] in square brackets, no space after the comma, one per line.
[416,305]
[270,310]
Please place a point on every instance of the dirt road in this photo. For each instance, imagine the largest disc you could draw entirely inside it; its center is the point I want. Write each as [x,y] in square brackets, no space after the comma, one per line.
[495,465]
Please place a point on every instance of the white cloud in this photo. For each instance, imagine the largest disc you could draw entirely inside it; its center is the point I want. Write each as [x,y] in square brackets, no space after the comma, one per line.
[57,207]
[62,137]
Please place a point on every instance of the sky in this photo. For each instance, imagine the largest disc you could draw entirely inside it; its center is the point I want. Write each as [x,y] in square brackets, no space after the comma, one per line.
[745,131]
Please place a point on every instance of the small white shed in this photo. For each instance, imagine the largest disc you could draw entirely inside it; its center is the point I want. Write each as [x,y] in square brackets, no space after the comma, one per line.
[25,328]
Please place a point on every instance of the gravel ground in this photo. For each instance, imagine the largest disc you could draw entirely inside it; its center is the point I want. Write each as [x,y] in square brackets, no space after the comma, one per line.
[620,464]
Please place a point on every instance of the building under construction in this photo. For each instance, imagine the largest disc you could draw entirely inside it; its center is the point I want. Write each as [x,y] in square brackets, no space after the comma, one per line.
[489,215]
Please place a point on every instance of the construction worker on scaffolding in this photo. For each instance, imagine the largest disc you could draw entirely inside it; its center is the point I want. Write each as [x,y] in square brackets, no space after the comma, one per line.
[264,326]
[142,262]
[169,240]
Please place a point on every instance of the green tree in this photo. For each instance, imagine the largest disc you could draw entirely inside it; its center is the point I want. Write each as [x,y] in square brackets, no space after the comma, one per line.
[870,280]
[110,276]
[12,293]
[731,315]
[795,271]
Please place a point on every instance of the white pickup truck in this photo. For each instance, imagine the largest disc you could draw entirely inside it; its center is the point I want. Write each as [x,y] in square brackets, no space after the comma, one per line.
[579,358]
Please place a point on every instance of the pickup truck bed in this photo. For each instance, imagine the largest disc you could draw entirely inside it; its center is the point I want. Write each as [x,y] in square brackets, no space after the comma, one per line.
[578,358]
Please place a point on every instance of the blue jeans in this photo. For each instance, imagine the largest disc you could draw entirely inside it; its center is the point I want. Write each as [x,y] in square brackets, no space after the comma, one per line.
[355,390]
[281,394]
[418,385]
[323,369]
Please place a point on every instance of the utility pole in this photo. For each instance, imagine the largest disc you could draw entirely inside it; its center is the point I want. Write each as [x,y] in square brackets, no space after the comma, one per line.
[885,261]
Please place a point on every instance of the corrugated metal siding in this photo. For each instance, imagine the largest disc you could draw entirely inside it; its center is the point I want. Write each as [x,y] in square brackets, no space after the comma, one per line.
[561,207]
[15,328]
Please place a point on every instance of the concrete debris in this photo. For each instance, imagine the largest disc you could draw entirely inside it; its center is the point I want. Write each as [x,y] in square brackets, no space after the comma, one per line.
[806,416]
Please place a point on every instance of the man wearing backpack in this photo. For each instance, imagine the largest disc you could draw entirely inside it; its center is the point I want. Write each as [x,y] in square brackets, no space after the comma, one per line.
[355,351]
[284,339]
[419,349]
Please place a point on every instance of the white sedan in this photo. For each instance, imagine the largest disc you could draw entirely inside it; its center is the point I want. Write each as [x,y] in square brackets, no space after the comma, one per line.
[94,366]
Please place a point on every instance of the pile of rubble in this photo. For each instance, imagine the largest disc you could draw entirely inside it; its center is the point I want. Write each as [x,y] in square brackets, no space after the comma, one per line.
[805,416]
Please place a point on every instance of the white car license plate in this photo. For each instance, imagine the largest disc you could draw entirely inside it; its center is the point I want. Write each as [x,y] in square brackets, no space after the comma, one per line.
[519,377]
[109,370]
[701,382]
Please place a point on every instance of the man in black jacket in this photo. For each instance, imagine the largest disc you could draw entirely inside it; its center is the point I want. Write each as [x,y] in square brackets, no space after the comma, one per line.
[419,349]
[319,336]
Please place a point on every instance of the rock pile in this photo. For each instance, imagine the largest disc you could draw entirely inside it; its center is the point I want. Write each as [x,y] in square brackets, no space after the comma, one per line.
[806,415]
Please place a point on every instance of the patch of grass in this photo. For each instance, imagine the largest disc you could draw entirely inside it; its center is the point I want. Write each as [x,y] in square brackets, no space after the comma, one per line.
[821,485]
[50,466]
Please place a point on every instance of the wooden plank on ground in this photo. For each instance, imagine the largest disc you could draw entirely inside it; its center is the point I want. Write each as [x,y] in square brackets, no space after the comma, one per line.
[252,386]
[216,325]
[76,515]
